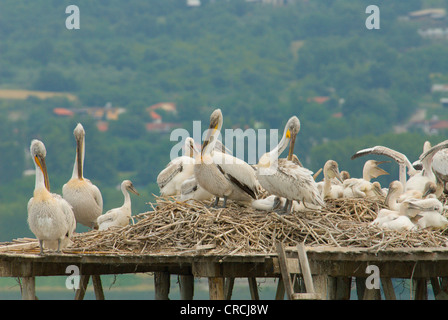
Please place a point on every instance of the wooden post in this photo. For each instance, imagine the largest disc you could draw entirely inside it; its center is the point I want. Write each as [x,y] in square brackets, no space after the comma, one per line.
[360,287]
[161,285]
[253,288]
[280,293]
[83,282]
[186,286]
[421,292]
[228,287]
[287,284]
[388,289]
[321,286]
[98,287]
[216,288]
[28,288]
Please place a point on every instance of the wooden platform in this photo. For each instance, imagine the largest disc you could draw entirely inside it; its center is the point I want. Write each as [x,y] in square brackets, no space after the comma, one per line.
[332,269]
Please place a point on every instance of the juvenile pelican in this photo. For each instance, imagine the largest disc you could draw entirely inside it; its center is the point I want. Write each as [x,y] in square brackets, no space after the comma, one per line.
[50,217]
[419,180]
[400,158]
[283,178]
[119,217]
[191,190]
[83,195]
[221,174]
[177,171]
[332,190]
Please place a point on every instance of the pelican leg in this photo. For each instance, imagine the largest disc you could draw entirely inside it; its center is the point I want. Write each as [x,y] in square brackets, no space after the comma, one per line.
[285,207]
[215,204]
[276,204]
[59,246]
[41,245]
[225,202]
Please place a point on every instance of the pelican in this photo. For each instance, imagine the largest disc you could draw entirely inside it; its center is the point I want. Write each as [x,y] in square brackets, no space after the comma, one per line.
[50,217]
[330,190]
[362,187]
[119,217]
[401,223]
[400,158]
[440,168]
[419,180]
[191,190]
[83,195]
[431,220]
[284,178]
[177,171]
[222,174]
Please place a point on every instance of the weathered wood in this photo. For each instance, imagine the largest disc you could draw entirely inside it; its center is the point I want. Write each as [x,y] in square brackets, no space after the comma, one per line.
[343,288]
[280,292]
[83,282]
[253,288]
[228,287]
[97,287]
[305,268]
[284,270]
[360,287]
[388,289]
[161,285]
[321,286]
[29,288]
[20,246]
[420,289]
[372,294]
[216,288]
[186,287]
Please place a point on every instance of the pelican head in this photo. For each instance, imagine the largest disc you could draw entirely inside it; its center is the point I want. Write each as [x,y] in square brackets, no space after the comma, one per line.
[189,147]
[430,188]
[372,170]
[345,175]
[215,126]
[331,170]
[127,184]
[292,128]
[79,134]
[38,153]
[395,188]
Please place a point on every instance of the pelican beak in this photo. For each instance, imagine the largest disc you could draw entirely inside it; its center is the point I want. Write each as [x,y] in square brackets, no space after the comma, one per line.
[427,192]
[291,144]
[337,175]
[79,155]
[43,166]
[207,140]
[133,190]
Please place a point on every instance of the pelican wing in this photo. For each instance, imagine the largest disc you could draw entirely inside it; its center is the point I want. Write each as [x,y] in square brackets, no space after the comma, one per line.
[380,150]
[238,172]
[432,151]
[172,169]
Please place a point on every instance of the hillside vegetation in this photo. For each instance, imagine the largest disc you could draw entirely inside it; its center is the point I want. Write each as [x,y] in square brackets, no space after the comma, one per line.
[259,63]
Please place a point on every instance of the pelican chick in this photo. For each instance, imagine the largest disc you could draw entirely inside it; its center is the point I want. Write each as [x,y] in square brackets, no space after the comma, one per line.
[431,220]
[283,178]
[177,171]
[191,190]
[330,190]
[222,174]
[119,217]
[50,217]
[83,195]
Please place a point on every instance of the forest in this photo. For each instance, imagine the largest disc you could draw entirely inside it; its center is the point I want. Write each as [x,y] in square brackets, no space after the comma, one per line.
[260,63]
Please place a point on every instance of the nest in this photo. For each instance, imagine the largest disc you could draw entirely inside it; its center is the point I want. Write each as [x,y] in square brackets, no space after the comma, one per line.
[174,227]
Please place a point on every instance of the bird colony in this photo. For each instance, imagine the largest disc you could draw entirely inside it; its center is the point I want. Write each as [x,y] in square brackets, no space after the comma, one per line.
[211,201]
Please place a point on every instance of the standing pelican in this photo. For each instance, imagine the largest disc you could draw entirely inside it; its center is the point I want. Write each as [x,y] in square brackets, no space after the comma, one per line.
[50,217]
[119,217]
[83,195]
[282,177]
[221,174]
[177,171]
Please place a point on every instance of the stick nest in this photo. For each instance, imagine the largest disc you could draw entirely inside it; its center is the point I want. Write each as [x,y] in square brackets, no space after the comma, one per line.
[174,227]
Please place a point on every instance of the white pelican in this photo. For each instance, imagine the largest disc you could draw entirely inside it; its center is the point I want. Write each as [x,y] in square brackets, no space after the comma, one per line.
[431,220]
[401,223]
[331,190]
[284,178]
[400,158]
[440,167]
[191,190]
[362,187]
[119,217]
[419,180]
[83,195]
[50,217]
[177,171]
[221,174]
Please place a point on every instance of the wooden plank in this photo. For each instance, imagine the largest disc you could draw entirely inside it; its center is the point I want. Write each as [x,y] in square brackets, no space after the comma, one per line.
[97,287]
[388,289]
[216,288]
[29,288]
[228,287]
[321,285]
[83,282]
[280,292]
[343,288]
[305,267]
[305,296]
[284,270]
[186,287]
[253,288]
[421,289]
[161,285]
[20,246]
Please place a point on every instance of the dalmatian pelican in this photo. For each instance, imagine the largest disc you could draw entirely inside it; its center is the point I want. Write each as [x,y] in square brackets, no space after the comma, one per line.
[50,217]
[221,174]
[81,193]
